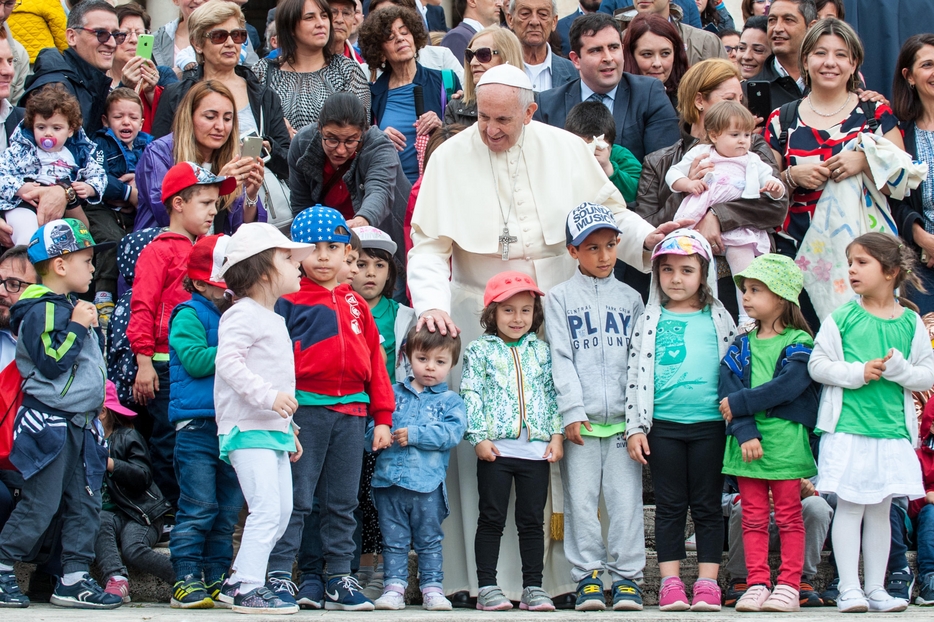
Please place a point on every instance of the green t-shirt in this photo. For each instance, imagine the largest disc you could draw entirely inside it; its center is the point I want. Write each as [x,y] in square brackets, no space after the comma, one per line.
[254,439]
[306,398]
[384,314]
[786,452]
[687,368]
[876,409]
[601,430]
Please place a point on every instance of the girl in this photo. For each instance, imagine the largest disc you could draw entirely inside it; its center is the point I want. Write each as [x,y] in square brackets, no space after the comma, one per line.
[254,395]
[870,354]
[672,408]
[770,403]
[514,426]
[737,173]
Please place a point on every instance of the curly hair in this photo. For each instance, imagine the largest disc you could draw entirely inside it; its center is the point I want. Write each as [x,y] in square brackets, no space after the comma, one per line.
[49,100]
[377,30]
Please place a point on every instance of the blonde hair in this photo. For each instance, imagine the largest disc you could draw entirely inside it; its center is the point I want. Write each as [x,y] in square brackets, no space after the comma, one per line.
[203,19]
[510,52]
[727,114]
[837,28]
[702,78]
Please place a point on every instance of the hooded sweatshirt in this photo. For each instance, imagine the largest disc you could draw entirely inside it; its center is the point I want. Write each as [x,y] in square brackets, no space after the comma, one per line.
[925,457]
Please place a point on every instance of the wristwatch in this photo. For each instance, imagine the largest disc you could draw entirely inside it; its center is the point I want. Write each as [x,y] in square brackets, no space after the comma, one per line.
[70,195]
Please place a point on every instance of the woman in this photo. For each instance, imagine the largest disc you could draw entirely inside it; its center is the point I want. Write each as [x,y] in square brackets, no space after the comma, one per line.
[488,48]
[714,15]
[390,39]
[652,46]
[702,86]
[828,118]
[217,32]
[344,163]
[306,72]
[172,45]
[39,24]
[754,47]
[752,8]
[831,8]
[206,127]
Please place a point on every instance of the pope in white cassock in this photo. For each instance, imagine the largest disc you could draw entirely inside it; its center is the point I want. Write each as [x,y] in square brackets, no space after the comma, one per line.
[494,198]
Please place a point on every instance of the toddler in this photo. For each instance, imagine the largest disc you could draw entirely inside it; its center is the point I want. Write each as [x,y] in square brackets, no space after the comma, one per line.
[594,123]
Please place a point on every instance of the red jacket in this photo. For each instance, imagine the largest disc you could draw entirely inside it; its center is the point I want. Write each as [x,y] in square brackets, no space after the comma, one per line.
[157,289]
[336,346]
[926,457]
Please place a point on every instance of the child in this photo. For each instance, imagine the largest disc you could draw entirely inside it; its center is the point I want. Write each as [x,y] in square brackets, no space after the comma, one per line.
[515,428]
[191,193]
[340,377]
[738,173]
[589,325]
[594,123]
[132,505]
[770,404]
[922,510]
[408,485]
[209,498]
[254,394]
[671,407]
[349,269]
[120,144]
[59,446]
[870,354]
[48,148]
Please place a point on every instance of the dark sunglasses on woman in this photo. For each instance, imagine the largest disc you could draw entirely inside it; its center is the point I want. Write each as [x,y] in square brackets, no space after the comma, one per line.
[484,55]
[219,36]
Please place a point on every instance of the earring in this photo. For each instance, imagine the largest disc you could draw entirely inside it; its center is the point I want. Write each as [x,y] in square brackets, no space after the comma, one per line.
[911,86]
[700,110]
[888,278]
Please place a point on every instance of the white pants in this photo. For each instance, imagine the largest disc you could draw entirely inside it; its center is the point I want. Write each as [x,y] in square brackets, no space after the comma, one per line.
[24,222]
[266,481]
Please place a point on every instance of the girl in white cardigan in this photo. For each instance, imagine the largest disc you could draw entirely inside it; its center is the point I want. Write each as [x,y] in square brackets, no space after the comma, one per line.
[870,354]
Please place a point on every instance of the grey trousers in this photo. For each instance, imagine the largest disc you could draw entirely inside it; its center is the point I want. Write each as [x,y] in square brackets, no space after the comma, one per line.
[603,465]
[123,542]
[817,516]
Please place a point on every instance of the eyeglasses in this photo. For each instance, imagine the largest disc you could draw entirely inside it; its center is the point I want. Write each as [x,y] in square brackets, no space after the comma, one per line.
[12,4]
[103,36]
[333,143]
[218,37]
[729,48]
[483,55]
[138,32]
[13,285]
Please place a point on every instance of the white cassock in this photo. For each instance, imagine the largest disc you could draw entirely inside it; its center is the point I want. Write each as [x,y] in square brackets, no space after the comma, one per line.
[455,231]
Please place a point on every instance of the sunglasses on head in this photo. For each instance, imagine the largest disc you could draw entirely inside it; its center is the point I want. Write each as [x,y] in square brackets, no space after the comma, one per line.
[217,37]
[483,55]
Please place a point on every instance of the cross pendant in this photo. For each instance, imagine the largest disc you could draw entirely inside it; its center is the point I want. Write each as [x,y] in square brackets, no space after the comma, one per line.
[506,240]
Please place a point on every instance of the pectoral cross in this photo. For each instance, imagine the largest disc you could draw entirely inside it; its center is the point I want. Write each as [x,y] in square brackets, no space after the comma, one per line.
[506,240]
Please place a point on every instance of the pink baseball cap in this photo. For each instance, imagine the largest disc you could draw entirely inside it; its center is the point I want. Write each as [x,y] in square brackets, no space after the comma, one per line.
[112,402]
[507,284]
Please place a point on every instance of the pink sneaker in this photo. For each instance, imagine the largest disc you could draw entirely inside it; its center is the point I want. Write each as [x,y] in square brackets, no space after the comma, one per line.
[706,596]
[754,598]
[118,587]
[672,596]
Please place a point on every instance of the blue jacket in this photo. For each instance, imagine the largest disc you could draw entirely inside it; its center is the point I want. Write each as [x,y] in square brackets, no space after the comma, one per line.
[562,71]
[435,19]
[564,30]
[435,420]
[431,82]
[193,398]
[117,160]
[790,395]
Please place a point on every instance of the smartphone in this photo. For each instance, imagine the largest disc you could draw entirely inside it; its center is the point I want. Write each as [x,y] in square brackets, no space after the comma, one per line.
[251,147]
[144,46]
[759,98]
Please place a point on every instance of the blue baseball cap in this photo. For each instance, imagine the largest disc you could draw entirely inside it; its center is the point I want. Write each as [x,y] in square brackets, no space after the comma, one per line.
[320,224]
[60,237]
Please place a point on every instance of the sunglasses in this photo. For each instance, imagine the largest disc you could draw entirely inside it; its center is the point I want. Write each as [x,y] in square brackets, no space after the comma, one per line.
[103,36]
[483,55]
[217,37]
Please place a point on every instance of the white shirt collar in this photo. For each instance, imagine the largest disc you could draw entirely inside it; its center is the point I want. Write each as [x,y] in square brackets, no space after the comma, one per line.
[423,9]
[473,23]
[540,75]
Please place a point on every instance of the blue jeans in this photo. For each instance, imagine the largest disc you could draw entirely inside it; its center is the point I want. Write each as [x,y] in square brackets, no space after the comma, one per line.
[208,505]
[162,438]
[409,518]
[924,300]
[898,546]
[925,532]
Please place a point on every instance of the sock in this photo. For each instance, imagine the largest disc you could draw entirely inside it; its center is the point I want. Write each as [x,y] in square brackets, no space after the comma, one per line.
[671,578]
[702,579]
[282,575]
[70,578]
[118,577]
[427,590]
[246,588]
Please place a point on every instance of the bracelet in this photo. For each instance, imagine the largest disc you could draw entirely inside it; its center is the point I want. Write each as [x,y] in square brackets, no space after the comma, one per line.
[793,184]
[248,202]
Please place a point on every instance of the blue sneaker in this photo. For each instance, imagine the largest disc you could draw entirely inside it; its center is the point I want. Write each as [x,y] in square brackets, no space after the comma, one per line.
[900,585]
[311,592]
[590,593]
[261,600]
[345,594]
[627,596]
[280,583]
[926,595]
[10,594]
[85,594]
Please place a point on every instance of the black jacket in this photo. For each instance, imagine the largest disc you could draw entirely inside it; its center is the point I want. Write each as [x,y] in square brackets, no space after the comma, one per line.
[264,102]
[130,485]
[784,89]
[16,115]
[88,83]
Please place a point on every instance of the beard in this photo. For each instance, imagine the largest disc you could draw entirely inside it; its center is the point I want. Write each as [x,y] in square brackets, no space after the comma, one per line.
[4,316]
[590,5]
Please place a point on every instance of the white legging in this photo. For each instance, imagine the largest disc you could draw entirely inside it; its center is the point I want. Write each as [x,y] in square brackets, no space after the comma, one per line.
[24,222]
[876,533]
[739,258]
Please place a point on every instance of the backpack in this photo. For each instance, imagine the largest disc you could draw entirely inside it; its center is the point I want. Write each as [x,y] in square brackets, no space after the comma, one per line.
[789,112]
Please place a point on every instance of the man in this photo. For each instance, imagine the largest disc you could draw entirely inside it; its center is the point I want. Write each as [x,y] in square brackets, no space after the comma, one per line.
[478,14]
[16,274]
[20,55]
[10,116]
[342,25]
[433,15]
[93,30]
[689,12]
[699,44]
[533,21]
[789,21]
[564,24]
[645,120]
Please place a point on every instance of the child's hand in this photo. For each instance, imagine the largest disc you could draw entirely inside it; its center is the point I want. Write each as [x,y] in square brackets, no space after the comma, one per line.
[84,313]
[486,451]
[603,157]
[401,436]
[696,186]
[555,449]
[773,187]
[807,488]
[295,455]
[110,465]
[285,405]
[752,450]
[147,380]
[382,437]
[638,446]
[27,191]
[874,368]
[83,190]
[725,410]
[573,431]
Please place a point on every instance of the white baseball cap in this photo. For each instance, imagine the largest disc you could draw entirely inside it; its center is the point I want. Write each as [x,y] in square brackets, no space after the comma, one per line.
[253,238]
[371,237]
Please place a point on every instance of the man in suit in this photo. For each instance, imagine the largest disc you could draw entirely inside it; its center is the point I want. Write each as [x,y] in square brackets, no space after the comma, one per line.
[433,14]
[645,120]
[478,14]
[533,21]
[564,24]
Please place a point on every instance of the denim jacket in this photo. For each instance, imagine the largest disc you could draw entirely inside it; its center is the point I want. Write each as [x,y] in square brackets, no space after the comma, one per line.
[435,420]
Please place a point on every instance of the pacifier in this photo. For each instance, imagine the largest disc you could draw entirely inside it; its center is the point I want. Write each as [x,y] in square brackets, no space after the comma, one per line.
[47,143]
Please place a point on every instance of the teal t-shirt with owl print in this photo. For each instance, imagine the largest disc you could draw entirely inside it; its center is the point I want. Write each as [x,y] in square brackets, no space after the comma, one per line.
[687,368]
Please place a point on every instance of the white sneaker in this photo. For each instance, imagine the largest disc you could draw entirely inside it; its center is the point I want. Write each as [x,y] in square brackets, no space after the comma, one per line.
[881,601]
[852,601]
[435,601]
[391,600]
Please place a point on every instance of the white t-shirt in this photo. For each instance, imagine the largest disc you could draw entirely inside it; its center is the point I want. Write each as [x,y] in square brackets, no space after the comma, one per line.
[54,165]
[521,447]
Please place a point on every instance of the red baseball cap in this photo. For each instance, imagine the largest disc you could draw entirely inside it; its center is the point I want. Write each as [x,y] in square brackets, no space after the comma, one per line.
[187,174]
[506,284]
[206,259]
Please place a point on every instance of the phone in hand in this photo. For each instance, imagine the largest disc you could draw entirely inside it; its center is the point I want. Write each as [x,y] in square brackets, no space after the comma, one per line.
[759,98]
[144,46]
[251,147]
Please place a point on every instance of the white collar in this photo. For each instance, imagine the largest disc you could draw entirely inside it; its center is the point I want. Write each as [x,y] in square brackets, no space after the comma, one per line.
[780,70]
[545,64]
[423,8]
[477,26]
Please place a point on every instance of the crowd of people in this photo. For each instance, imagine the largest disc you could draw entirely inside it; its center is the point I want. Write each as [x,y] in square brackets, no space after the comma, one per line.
[296,306]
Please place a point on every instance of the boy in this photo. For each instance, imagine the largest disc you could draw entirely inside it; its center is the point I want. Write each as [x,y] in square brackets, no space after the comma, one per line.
[922,510]
[59,446]
[210,498]
[588,321]
[120,144]
[408,484]
[190,194]
[340,378]
[594,123]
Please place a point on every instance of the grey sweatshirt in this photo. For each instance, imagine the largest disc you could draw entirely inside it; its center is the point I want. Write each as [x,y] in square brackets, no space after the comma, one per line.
[589,324]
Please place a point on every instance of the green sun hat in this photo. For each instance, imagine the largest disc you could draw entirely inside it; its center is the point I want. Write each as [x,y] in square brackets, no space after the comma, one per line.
[778,272]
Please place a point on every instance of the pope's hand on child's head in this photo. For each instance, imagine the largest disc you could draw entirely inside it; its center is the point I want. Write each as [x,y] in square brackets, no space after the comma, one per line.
[486,451]
[401,436]
[555,449]
[725,410]
[382,437]
[752,450]
[573,431]
[295,455]
[638,446]
[285,405]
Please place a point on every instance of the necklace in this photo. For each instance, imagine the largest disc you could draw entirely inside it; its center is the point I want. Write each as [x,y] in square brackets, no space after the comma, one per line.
[505,239]
[831,114]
